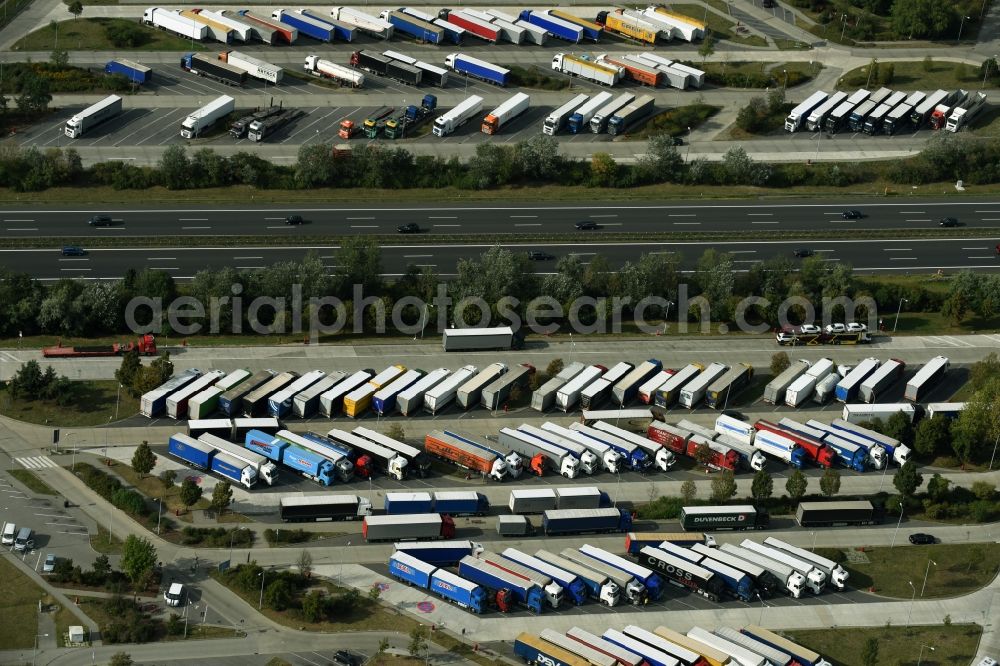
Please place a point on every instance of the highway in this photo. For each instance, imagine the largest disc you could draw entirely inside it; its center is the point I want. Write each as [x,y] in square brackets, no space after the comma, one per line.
[891,256]
[521,219]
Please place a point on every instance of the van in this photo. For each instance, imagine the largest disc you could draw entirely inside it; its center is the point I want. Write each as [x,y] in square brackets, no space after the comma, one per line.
[24,541]
[73,251]
[174,596]
[9,530]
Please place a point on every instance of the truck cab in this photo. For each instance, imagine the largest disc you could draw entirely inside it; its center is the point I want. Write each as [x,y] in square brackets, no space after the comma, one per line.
[347,129]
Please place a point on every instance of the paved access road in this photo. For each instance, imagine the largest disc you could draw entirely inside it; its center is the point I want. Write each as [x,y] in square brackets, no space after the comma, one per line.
[522,219]
[890,256]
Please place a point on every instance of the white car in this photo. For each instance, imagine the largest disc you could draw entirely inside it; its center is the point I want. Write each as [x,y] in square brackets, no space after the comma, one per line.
[835,328]
[855,327]
[987,661]
[809,328]
[174,596]
[50,563]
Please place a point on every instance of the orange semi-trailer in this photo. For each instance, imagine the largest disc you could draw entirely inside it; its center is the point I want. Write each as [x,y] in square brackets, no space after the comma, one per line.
[465,453]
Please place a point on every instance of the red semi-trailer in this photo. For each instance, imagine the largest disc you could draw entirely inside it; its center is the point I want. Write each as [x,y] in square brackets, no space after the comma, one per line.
[146,345]
[814,449]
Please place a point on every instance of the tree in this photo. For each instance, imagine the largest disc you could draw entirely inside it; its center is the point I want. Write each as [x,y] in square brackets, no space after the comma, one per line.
[129,370]
[954,307]
[907,479]
[396,431]
[724,486]
[374,592]
[75,8]
[932,436]
[59,58]
[101,565]
[418,641]
[138,558]
[829,483]
[175,168]
[869,653]
[920,18]
[898,426]
[937,488]
[707,47]
[662,161]
[983,490]
[167,478]
[35,94]
[779,363]
[278,594]
[190,493]
[603,170]
[688,490]
[703,454]
[762,487]
[305,563]
[121,659]
[222,496]
[143,460]
[796,485]
[314,606]
[383,645]
[554,367]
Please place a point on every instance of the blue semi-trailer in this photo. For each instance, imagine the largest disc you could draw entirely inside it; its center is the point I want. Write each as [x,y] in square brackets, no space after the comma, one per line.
[202,455]
[521,591]
[646,576]
[133,71]
[308,26]
[461,503]
[400,503]
[479,69]
[439,553]
[585,521]
[555,26]
[446,585]
[306,463]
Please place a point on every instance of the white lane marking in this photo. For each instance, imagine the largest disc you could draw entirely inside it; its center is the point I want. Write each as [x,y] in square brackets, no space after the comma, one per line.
[405,256]
[80,259]
[6,220]
[743,252]
[679,223]
[978,211]
[603,215]
[523,217]
[975,248]
[444,217]
[912,212]
[249,268]
[760,214]
[283,226]
[364,226]
[447,225]
[192,219]
[22,229]
[920,220]
[527,224]
[161,259]
[897,249]
[763,222]
[274,218]
[36,462]
[360,218]
[185,228]
[902,258]
[681,215]
[982,257]
[75,269]
[237,258]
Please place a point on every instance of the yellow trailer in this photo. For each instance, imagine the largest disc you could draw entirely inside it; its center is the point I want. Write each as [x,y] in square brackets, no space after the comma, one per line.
[359,400]
[711,655]
[627,26]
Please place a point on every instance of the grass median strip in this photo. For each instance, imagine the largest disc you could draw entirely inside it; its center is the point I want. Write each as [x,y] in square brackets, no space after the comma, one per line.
[32,482]
[953,644]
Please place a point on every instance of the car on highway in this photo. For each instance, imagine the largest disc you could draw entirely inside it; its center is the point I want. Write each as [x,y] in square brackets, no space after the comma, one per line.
[855,327]
[922,539]
[538,255]
[852,214]
[948,222]
[836,328]
[50,563]
[810,328]
[100,221]
[73,251]
[410,228]
[294,220]
[586,225]
[803,252]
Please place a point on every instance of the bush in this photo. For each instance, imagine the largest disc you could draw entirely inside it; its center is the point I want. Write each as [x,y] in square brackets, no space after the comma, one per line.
[532,77]
[126,34]
[216,537]
[288,536]
[130,502]
[662,508]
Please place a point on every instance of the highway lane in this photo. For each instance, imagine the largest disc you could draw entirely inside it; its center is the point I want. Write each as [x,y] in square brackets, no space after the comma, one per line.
[521,219]
[892,256]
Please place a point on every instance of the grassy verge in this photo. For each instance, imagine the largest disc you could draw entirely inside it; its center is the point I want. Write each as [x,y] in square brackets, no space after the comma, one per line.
[152,487]
[18,607]
[720,26]
[64,619]
[279,538]
[202,632]
[934,323]
[791,45]
[96,404]
[32,482]
[677,121]
[915,75]
[532,77]
[744,74]
[105,542]
[953,644]
[90,34]
[960,569]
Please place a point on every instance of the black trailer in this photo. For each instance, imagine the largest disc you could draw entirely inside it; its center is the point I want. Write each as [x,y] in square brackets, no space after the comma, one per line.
[323,508]
[742,517]
[370,61]
[403,72]
[223,72]
[231,401]
[682,573]
[837,514]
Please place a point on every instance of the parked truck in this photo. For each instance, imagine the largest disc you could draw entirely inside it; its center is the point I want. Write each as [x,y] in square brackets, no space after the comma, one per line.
[417,461]
[671,652]
[738,517]
[682,573]
[205,117]
[926,378]
[662,458]
[789,580]
[966,112]
[331,401]
[873,124]
[544,398]
[800,113]
[817,117]
[551,590]
[573,588]
[813,449]
[894,449]
[731,383]
[586,521]
[204,66]
[320,508]
[628,387]
[802,655]
[495,394]
[262,466]
[847,388]
[599,586]
[470,393]
[473,25]
[694,391]
[624,120]
[466,453]
[899,117]
[628,26]
[130,69]
[408,527]
[458,116]
[569,393]
[604,455]
[366,23]
[836,574]
[841,115]
[422,31]
[95,114]
[410,399]
[154,402]
[668,393]
[171,21]
[939,116]
[735,582]
[384,400]
[650,655]
[555,26]
[815,579]
[463,593]
[580,120]
[410,118]
[255,67]
[369,457]
[835,514]
[780,446]
[922,111]
[231,400]
[505,113]
[441,395]
[533,650]
[633,455]
[764,582]
[848,453]
[306,462]
[403,503]
[880,380]
[600,120]
[439,553]
[478,69]
[605,74]
[541,455]
[329,70]
[557,119]
[631,589]
[520,590]
[802,388]
[876,453]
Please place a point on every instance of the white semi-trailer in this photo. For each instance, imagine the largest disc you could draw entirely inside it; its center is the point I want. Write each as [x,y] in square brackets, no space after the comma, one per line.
[93,115]
[203,119]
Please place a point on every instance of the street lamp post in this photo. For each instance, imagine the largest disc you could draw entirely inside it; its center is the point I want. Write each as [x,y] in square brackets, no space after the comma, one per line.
[159,512]
[960,26]
[909,613]
[896,531]
[814,541]
[843,20]
[898,310]
[927,571]
[994,454]
[687,156]
[260,602]
[760,620]
[921,656]
[35,654]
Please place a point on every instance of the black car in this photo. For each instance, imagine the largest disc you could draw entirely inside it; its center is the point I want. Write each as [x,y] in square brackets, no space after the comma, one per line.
[538,255]
[73,251]
[411,228]
[344,658]
[294,220]
[948,222]
[99,221]
[586,225]
[852,215]
[803,252]
[922,539]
